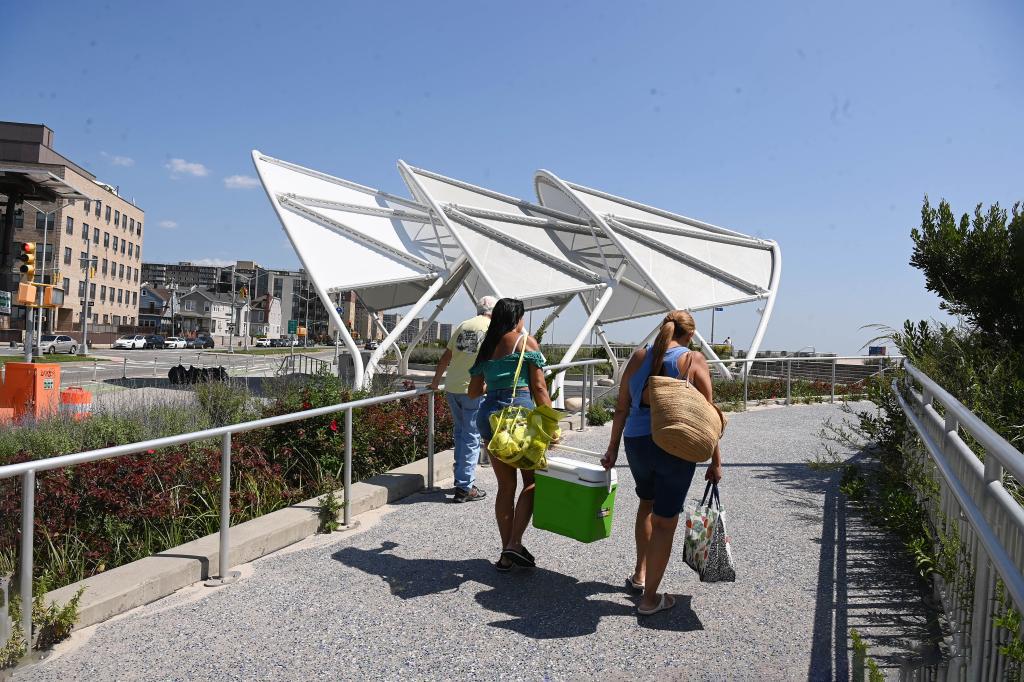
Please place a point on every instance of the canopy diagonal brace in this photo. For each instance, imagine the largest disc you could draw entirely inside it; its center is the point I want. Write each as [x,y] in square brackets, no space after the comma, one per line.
[390,213]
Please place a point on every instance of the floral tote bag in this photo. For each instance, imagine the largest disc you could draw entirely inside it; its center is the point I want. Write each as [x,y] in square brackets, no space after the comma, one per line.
[708,547]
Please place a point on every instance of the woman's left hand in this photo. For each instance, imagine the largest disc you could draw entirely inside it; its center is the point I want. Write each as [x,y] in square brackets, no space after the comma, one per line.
[714,473]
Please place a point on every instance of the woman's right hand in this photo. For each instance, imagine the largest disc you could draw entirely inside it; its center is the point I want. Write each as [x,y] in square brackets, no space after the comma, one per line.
[610,457]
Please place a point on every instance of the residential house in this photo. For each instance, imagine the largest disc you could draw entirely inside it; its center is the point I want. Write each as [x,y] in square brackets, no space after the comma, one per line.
[265,317]
[209,313]
[154,309]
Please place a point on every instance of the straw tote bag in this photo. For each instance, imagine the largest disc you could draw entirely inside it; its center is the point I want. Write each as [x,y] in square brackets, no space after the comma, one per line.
[683,422]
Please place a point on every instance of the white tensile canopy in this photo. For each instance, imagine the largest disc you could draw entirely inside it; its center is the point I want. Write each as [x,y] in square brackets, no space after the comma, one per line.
[622,260]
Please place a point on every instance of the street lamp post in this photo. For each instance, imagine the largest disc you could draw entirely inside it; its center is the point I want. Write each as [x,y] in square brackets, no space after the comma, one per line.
[88,264]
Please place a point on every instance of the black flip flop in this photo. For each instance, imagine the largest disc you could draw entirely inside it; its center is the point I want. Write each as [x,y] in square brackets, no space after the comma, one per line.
[502,568]
[520,557]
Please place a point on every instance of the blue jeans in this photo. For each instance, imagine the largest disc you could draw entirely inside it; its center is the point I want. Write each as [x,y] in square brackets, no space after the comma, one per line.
[497,399]
[467,438]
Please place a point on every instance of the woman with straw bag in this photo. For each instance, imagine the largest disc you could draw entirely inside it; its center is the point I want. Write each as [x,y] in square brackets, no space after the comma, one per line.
[662,478]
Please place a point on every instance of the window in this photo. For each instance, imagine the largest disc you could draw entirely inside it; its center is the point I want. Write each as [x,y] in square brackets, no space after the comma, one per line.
[106,318]
[70,229]
[19,219]
[103,293]
[120,295]
[88,206]
[67,286]
[131,224]
[106,240]
[131,249]
[135,298]
[206,307]
[95,235]
[99,207]
[85,231]
[138,228]
[81,289]
[115,242]
[188,305]
[122,246]
[117,218]
[104,266]
[136,274]
[95,318]
[106,216]
[120,270]
[45,220]
[67,255]
[117,320]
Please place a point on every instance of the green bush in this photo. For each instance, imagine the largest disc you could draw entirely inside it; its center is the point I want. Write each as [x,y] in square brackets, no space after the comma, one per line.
[597,414]
[425,355]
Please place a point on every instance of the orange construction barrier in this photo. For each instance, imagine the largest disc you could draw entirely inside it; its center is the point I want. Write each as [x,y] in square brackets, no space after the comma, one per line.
[76,402]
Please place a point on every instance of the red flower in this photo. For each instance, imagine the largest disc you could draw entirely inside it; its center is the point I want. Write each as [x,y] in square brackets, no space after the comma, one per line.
[334,425]
[151,452]
[306,405]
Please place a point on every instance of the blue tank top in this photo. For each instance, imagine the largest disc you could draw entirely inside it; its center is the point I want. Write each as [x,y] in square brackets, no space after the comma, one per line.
[638,423]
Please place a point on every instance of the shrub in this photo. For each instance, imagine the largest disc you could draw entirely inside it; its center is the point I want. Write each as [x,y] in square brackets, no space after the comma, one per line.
[598,414]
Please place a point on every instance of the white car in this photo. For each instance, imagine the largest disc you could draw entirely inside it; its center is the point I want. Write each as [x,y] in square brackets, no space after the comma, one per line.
[131,341]
[174,342]
[51,343]
[263,343]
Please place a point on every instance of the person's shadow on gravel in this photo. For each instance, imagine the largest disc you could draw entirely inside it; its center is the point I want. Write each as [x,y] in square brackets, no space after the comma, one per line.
[543,604]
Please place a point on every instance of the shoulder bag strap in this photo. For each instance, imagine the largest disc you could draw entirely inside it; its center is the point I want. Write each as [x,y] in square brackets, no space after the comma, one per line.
[686,371]
[519,366]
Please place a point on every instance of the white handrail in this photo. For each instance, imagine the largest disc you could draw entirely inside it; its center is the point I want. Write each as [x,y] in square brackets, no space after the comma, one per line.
[972,496]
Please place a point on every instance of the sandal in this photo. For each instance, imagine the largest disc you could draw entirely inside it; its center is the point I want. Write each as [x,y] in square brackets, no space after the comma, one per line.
[634,585]
[503,568]
[665,604]
[520,557]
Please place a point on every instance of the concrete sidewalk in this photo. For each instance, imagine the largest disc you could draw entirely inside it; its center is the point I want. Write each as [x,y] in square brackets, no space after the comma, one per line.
[412,594]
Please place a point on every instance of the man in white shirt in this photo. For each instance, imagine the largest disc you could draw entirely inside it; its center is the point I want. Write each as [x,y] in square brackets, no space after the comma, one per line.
[457,359]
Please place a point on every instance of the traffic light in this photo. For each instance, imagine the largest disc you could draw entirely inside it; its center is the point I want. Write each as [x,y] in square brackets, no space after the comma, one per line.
[28,261]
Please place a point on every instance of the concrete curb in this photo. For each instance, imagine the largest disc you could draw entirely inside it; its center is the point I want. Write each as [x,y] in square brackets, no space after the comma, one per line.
[141,582]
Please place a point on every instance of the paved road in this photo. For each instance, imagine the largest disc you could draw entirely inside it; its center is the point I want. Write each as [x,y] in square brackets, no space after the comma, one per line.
[413,595]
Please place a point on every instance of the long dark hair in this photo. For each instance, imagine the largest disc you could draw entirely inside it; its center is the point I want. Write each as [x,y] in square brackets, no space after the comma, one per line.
[504,318]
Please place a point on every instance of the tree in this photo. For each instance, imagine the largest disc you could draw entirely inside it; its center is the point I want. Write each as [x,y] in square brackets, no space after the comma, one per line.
[975,265]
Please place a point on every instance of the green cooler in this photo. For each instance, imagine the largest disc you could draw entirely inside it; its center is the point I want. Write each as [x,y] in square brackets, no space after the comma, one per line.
[574,499]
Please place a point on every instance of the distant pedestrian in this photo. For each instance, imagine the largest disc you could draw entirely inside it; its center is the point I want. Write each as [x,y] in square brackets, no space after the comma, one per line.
[458,357]
[662,480]
[728,341]
[494,373]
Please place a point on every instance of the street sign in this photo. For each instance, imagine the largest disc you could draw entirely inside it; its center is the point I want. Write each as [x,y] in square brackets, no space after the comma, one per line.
[339,309]
[301,331]
[293,326]
[719,310]
[5,303]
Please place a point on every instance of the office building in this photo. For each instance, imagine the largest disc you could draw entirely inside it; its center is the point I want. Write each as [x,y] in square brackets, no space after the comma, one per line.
[106,226]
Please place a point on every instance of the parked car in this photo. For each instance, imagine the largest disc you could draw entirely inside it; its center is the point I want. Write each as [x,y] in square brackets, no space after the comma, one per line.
[371,345]
[200,342]
[263,343]
[155,341]
[131,341]
[51,343]
[174,342]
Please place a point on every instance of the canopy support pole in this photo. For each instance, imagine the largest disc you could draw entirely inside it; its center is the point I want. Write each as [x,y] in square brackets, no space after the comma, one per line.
[570,352]
[762,325]
[392,338]
[403,366]
[604,340]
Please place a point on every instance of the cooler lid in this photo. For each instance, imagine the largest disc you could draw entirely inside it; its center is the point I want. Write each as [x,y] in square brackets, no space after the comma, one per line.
[584,471]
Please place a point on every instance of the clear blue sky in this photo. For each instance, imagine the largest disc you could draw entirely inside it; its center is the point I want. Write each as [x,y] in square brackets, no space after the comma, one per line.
[819,125]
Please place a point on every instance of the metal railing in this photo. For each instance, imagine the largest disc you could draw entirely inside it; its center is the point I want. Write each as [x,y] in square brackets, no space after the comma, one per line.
[974,506]
[837,373]
[303,364]
[27,470]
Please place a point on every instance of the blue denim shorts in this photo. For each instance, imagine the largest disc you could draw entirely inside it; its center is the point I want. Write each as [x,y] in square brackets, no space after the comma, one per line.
[496,400]
[658,475]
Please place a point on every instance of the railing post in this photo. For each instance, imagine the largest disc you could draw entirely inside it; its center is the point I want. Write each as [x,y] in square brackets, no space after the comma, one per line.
[789,382]
[348,468]
[28,515]
[124,369]
[430,440]
[154,367]
[832,397]
[224,559]
[583,399]
[746,379]
[94,367]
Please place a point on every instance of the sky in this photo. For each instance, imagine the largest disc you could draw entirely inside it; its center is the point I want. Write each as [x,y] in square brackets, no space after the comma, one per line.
[821,126]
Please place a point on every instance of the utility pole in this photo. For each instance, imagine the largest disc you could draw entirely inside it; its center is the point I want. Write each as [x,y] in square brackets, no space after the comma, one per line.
[86,314]
[231,331]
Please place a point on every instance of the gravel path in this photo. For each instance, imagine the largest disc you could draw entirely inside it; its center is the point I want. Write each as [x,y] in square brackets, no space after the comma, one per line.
[413,595]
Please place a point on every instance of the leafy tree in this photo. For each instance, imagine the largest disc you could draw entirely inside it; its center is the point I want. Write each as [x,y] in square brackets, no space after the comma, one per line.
[975,265]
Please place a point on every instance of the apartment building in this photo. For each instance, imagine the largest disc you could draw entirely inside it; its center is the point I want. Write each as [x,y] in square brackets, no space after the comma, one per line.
[106,227]
[183,273]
